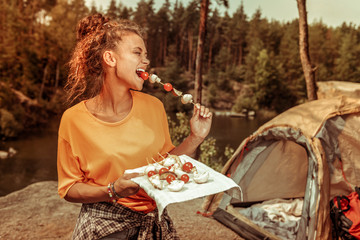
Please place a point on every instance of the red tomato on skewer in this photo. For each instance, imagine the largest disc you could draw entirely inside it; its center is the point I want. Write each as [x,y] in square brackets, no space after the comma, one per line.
[144,75]
[185,178]
[168,87]
[170,178]
[163,170]
[151,173]
[187,167]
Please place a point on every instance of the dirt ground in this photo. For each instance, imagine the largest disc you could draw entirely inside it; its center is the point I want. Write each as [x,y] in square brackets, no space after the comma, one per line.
[36,212]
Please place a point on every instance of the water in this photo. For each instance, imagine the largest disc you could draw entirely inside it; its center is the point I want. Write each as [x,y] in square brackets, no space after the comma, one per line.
[230,131]
[36,157]
[35,160]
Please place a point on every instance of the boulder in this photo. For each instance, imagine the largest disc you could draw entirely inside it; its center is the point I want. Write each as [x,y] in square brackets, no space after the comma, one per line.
[37,212]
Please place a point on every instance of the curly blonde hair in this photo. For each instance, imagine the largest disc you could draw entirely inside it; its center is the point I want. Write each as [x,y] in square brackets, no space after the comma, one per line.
[95,35]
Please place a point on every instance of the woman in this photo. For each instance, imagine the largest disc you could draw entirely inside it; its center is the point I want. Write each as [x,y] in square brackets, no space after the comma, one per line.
[111,128]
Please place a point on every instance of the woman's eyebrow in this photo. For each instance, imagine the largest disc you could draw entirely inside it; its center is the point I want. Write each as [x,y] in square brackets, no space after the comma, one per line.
[140,49]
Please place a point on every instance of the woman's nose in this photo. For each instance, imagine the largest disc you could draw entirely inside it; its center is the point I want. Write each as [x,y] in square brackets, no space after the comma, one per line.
[146,61]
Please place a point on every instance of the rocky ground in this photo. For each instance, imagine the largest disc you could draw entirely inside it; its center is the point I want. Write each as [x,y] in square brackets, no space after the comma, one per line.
[37,212]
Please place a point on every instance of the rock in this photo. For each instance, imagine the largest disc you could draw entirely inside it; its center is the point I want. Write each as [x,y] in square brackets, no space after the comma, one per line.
[37,212]
[7,154]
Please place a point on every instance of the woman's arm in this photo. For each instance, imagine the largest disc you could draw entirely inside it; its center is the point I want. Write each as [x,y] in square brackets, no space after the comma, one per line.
[200,125]
[86,193]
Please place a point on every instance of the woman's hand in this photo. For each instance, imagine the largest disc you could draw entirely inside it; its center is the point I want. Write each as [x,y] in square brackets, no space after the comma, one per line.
[200,123]
[125,187]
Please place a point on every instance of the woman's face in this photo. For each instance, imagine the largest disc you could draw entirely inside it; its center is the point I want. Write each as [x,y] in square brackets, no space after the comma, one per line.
[130,55]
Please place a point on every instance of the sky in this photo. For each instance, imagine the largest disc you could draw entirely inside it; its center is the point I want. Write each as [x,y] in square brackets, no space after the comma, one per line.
[331,12]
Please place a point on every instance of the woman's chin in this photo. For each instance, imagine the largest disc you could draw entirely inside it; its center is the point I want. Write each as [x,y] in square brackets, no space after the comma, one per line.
[138,87]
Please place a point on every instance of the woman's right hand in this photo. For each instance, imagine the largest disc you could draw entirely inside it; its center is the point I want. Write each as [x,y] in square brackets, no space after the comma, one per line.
[125,187]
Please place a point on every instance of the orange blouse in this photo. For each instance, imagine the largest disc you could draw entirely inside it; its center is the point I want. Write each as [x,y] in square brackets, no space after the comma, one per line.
[97,152]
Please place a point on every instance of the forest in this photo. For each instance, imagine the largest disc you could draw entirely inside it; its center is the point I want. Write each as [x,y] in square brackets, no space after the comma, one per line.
[249,62]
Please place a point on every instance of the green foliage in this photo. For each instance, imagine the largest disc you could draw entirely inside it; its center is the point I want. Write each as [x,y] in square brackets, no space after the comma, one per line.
[179,129]
[37,38]
[209,153]
[347,66]
[9,127]
[245,102]
[269,91]
[229,151]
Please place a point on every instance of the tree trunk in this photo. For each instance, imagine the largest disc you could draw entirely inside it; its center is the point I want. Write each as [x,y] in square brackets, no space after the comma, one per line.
[229,54]
[190,42]
[43,81]
[181,50]
[57,75]
[240,62]
[165,48]
[309,72]
[204,8]
[210,53]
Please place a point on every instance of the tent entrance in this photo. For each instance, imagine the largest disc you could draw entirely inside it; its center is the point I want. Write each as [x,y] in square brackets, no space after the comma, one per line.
[273,179]
[278,170]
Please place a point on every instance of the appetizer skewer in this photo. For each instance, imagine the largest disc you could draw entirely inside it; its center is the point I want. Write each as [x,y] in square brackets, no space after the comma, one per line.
[173,172]
[185,98]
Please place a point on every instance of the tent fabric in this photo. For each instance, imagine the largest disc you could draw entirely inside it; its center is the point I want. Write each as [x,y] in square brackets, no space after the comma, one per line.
[300,153]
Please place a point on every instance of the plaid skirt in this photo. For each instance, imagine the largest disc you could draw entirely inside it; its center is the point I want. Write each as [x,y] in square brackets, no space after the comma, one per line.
[97,220]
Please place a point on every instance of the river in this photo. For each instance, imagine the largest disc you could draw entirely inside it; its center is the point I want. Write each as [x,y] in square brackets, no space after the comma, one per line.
[36,157]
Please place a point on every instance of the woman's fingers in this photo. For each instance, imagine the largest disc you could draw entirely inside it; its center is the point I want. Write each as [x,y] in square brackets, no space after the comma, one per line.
[125,187]
[202,111]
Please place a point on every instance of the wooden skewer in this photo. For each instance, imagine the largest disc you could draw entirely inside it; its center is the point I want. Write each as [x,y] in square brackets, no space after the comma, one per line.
[161,155]
[192,102]
[154,160]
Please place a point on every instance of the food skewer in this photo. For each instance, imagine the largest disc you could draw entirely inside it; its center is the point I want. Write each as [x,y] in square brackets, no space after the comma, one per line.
[185,98]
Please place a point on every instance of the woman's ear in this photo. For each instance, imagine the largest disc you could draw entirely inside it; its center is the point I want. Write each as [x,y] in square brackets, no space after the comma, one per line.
[109,58]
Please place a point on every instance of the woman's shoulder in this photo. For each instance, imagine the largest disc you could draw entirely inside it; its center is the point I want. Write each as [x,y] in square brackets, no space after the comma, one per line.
[73,113]
[76,109]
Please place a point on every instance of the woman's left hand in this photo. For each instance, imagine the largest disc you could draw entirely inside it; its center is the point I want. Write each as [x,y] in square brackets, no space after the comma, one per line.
[200,123]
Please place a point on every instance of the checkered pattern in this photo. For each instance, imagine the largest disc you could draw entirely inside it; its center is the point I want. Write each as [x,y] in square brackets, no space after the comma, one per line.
[97,220]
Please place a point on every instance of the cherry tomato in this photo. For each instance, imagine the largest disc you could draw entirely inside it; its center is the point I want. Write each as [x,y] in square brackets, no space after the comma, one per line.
[187,167]
[163,170]
[151,173]
[185,178]
[168,87]
[144,75]
[170,178]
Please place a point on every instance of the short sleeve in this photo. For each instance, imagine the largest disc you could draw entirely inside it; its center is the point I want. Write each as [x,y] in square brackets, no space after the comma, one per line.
[68,166]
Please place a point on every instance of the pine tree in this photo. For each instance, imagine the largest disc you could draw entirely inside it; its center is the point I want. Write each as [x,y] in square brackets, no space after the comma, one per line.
[112,11]
[162,21]
[347,67]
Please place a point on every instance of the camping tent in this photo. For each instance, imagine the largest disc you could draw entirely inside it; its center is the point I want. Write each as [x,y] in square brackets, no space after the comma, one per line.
[297,160]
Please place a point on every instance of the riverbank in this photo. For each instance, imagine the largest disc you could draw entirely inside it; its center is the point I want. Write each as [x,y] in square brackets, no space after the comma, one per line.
[36,212]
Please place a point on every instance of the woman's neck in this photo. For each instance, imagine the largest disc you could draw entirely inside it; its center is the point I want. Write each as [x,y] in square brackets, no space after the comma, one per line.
[111,106]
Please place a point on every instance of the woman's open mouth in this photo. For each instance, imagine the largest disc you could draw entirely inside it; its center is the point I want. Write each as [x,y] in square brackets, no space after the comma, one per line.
[142,74]
[139,71]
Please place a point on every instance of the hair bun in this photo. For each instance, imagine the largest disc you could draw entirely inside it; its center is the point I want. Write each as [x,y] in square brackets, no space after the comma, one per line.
[90,24]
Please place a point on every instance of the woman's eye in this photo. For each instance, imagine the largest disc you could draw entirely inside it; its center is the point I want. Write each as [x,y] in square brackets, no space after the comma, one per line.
[138,53]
